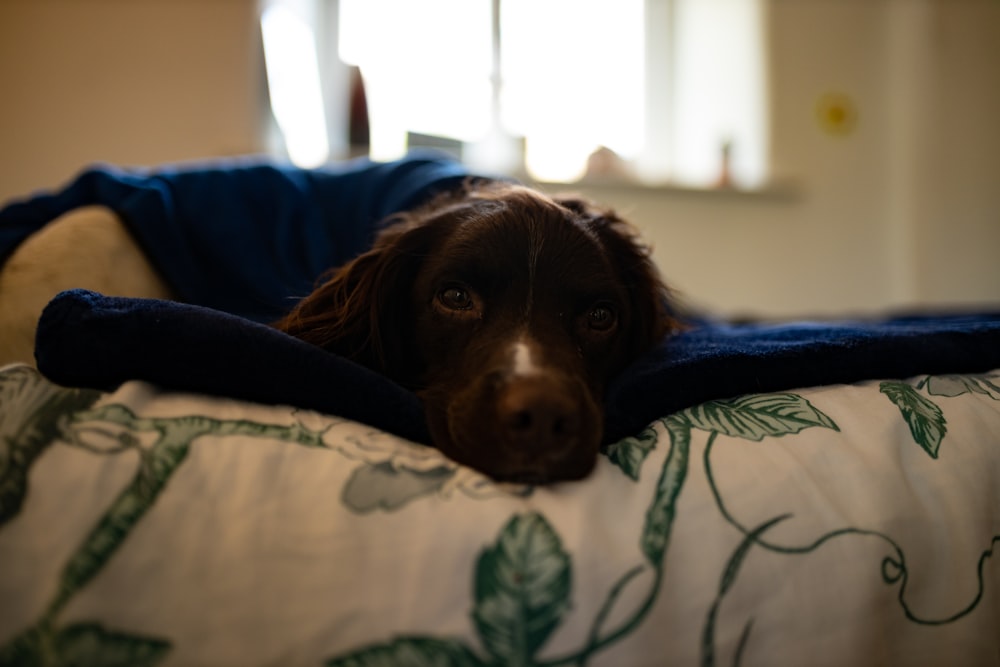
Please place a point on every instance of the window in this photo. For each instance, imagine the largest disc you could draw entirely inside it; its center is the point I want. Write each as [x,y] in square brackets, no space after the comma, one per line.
[669,86]
[294,82]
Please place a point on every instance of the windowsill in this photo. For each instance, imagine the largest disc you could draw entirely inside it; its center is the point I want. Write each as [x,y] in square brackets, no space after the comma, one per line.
[779,190]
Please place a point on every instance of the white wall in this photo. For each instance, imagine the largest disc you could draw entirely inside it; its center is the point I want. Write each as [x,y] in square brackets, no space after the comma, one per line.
[903,211]
[957,239]
[124,82]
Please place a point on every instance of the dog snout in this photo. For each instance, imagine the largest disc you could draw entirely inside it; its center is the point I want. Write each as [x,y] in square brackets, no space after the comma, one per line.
[537,415]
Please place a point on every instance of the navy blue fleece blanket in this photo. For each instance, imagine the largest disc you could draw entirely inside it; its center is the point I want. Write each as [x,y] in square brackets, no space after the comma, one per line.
[240,241]
[86,339]
[250,236]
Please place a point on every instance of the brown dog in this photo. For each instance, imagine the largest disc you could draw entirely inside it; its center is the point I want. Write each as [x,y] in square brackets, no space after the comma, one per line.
[507,311]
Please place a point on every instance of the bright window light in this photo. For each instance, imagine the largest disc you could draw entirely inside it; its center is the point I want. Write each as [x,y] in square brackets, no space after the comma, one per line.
[573,81]
[673,87]
[425,64]
[568,90]
[294,84]
[719,92]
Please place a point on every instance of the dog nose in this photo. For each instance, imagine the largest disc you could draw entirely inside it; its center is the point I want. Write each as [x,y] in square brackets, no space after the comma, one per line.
[538,414]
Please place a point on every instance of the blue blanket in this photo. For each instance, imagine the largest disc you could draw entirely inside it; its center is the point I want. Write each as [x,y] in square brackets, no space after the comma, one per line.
[86,339]
[239,242]
[247,237]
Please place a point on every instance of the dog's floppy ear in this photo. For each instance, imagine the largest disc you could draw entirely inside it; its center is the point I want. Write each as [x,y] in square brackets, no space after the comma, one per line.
[361,310]
[632,259]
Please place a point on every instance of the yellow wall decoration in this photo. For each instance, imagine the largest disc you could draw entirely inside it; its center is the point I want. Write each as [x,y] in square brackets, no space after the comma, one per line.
[836,114]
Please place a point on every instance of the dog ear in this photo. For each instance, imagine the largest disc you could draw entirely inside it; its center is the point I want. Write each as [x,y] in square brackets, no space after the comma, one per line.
[651,300]
[361,310]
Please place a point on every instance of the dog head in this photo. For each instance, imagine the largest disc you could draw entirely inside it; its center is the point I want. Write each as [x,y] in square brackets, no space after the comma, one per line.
[507,311]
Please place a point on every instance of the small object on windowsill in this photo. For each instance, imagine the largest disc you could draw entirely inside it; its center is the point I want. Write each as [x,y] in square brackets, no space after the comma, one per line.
[449,145]
[605,164]
[776,189]
[359,133]
[608,170]
[725,180]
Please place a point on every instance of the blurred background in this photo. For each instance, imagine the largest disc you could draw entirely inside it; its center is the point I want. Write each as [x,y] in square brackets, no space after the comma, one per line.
[787,158]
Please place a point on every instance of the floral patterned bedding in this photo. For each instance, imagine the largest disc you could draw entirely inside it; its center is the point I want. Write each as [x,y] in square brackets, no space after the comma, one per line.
[839,525]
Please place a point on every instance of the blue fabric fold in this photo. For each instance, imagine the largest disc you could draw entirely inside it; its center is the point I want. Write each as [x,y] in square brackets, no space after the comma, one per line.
[248,237]
[715,360]
[86,339]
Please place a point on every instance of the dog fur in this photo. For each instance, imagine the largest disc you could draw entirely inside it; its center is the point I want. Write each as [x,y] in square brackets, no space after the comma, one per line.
[508,312]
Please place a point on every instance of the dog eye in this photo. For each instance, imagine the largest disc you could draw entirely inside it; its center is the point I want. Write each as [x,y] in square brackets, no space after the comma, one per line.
[601,318]
[455,298]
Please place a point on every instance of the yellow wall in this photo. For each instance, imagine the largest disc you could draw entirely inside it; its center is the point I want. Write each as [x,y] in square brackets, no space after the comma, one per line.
[126,82]
[902,212]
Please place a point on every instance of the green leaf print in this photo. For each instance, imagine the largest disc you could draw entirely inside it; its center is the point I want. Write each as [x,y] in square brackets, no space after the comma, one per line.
[522,589]
[950,386]
[629,453]
[90,644]
[660,516]
[756,417]
[129,507]
[383,486]
[925,419]
[43,643]
[85,644]
[728,579]
[411,652]
[34,412]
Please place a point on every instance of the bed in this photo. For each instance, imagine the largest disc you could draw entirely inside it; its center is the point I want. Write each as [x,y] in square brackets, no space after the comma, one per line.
[800,494]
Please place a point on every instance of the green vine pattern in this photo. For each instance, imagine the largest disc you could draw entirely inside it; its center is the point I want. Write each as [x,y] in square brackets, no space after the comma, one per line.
[522,580]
